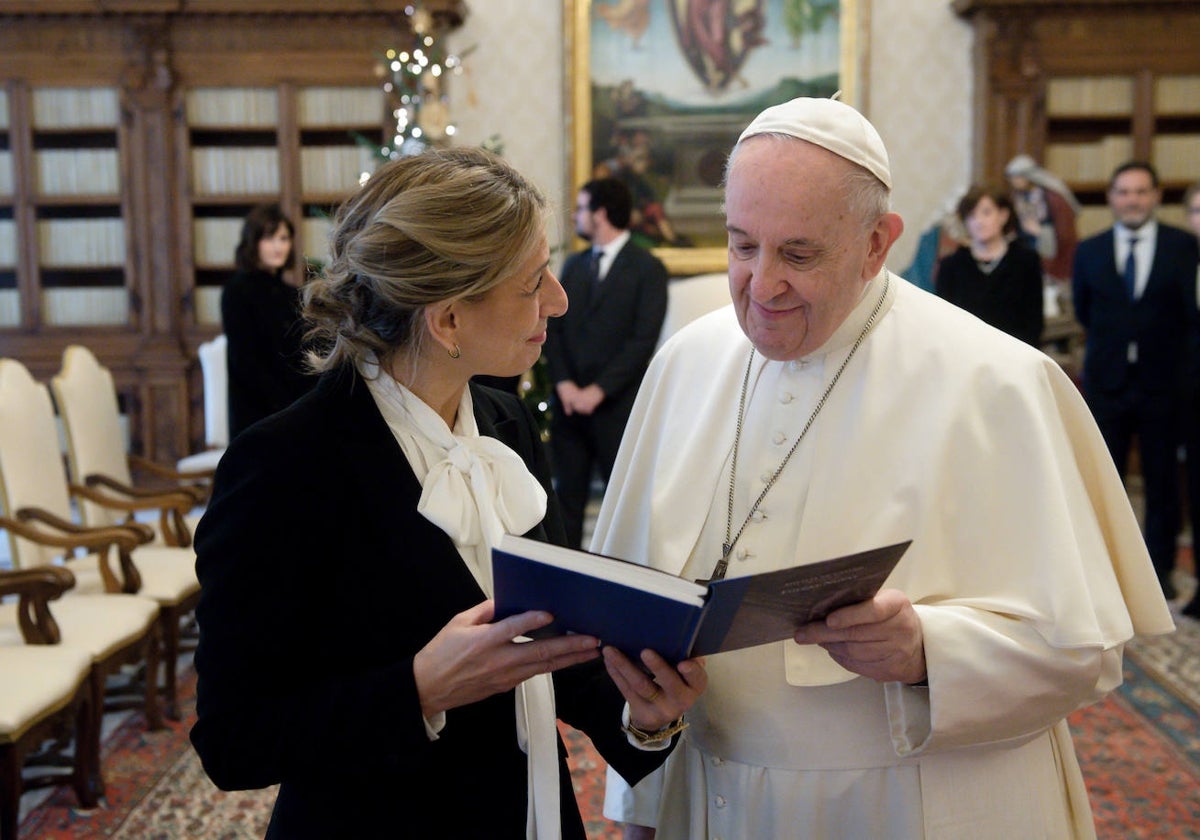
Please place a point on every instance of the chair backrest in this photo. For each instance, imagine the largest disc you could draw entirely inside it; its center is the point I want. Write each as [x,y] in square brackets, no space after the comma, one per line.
[690,297]
[31,465]
[216,392]
[87,403]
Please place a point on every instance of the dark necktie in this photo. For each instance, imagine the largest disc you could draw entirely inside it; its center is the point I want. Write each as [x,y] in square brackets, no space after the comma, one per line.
[594,265]
[1130,273]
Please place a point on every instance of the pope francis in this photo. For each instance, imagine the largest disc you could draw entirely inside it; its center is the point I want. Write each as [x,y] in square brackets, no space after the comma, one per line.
[834,407]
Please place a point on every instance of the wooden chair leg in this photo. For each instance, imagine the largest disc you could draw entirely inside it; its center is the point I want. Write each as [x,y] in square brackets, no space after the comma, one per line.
[97,681]
[86,777]
[153,709]
[10,791]
[169,622]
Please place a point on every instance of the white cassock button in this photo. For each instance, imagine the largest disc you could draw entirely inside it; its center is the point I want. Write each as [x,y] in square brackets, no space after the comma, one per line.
[785,398]
[717,761]
[720,801]
[765,477]
[757,516]
[742,554]
[778,438]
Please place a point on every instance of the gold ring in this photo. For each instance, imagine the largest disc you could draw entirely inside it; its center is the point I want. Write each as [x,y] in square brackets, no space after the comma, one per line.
[654,696]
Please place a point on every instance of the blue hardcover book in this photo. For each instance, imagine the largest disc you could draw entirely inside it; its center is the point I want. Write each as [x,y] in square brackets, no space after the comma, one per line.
[634,607]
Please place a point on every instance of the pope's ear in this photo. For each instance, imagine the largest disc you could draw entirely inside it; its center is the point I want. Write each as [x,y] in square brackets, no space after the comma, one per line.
[883,235]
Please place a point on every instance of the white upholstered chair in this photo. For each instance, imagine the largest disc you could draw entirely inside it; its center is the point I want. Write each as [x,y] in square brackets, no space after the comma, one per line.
[46,696]
[101,469]
[690,297]
[216,407]
[117,606]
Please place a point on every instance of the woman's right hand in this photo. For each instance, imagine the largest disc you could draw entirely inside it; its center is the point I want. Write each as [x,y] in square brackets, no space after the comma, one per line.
[471,659]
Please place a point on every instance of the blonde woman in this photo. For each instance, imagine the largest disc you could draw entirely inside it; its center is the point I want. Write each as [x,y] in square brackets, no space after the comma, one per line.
[347,646]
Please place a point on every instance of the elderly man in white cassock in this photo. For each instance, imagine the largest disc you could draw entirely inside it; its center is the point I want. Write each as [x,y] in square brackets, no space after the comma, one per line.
[833,408]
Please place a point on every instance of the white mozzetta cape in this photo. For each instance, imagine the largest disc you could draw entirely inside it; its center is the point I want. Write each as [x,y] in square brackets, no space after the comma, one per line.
[1027,566]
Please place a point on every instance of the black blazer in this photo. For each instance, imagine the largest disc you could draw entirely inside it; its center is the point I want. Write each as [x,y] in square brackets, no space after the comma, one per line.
[1158,321]
[608,334]
[319,583]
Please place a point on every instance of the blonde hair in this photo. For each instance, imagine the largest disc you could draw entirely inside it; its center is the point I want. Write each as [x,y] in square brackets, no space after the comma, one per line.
[442,225]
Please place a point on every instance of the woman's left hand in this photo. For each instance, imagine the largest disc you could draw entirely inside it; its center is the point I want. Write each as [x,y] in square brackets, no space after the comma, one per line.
[659,701]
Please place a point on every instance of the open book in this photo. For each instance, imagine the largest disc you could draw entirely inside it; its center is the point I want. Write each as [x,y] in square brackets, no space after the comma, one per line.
[633,607]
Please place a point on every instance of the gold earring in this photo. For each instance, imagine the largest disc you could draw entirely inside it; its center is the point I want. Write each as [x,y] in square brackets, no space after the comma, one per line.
[455,353]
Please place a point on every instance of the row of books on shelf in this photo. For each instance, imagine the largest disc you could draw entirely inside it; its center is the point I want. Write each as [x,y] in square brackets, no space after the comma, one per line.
[1173,155]
[1113,96]
[215,240]
[207,304]
[1089,97]
[10,308]
[92,107]
[233,170]
[78,172]
[8,243]
[334,168]
[232,107]
[81,242]
[1177,156]
[72,307]
[236,170]
[316,238]
[1091,162]
[341,106]
[317,107]
[1177,95]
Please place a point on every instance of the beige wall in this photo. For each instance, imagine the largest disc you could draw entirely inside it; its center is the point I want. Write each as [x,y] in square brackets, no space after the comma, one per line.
[919,97]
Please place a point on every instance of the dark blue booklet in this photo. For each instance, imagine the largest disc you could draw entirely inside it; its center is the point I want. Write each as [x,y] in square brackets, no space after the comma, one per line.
[633,607]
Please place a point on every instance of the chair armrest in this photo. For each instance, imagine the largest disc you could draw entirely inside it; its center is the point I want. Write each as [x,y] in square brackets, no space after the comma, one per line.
[35,588]
[184,494]
[171,505]
[141,532]
[156,469]
[99,541]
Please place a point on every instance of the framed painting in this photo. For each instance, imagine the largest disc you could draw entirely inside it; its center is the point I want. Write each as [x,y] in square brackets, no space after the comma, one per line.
[659,91]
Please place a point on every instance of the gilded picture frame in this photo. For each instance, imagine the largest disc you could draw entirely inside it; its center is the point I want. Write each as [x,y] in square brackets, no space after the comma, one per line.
[658,91]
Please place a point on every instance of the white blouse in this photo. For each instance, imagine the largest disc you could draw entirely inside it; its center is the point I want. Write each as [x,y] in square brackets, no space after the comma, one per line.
[475,489]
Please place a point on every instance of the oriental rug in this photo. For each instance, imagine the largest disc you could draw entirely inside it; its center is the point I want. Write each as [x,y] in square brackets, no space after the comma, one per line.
[1139,749]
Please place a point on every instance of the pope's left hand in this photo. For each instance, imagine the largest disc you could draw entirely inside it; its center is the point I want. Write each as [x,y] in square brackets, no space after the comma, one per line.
[880,638]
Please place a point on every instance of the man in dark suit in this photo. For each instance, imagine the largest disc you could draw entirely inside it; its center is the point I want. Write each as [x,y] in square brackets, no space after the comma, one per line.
[1134,293]
[598,351]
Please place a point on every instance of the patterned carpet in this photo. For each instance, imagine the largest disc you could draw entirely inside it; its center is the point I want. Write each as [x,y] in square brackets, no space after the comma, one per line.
[1139,748]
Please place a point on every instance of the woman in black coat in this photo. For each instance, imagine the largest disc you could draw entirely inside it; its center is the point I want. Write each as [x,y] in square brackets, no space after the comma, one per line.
[347,648]
[260,314]
[996,277]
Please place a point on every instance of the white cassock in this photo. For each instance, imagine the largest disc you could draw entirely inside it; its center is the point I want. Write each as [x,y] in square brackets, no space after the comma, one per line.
[1027,570]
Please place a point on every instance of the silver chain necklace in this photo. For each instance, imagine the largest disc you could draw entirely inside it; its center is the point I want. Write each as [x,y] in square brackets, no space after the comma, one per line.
[727,546]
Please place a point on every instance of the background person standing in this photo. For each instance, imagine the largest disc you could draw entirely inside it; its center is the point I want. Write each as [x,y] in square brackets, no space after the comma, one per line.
[599,350]
[1191,432]
[1134,293]
[260,313]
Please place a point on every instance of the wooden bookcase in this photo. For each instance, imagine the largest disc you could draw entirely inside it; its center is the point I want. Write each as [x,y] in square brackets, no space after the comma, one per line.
[135,136]
[1083,85]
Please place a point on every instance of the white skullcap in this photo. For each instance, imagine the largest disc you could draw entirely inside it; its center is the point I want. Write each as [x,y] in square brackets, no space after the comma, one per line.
[1020,165]
[831,125]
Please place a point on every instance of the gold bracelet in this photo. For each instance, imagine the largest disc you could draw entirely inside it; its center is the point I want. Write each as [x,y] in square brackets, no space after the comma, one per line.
[645,738]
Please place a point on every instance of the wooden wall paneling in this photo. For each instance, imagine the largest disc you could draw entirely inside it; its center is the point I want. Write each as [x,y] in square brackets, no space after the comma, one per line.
[21,146]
